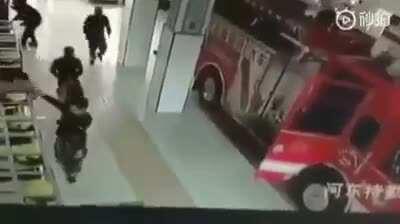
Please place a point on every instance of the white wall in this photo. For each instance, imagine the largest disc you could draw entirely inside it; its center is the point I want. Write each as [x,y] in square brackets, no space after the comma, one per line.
[126,21]
[140,32]
[179,75]
[154,87]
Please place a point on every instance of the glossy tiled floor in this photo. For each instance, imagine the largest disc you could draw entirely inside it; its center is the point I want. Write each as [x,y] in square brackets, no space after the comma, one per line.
[167,160]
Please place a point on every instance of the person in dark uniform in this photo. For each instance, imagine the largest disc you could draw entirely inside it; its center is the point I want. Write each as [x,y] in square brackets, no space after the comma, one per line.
[70,146]
[71,143]
[94,28]
[31,20]
[67,67]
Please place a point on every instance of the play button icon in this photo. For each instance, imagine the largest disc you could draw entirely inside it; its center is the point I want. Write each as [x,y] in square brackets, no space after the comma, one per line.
[345,19]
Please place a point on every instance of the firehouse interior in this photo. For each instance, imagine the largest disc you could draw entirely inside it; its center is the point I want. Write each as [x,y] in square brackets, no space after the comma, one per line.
[233,104]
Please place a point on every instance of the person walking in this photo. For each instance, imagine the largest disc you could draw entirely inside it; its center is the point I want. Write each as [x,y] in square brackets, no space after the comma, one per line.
[68,67]
[94,28]
[71,142]
[67,70]
[31,19]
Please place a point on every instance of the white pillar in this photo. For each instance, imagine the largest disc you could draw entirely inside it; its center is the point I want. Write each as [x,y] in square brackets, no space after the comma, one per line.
[135,44]
[125,22]
[180,46]
[180,72]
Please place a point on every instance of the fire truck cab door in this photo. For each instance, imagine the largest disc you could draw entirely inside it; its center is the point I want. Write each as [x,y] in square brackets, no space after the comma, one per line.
[365,138]
[362,138]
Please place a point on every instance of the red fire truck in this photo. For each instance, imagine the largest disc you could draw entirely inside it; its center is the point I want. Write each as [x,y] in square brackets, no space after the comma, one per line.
[341,129]
[330,122]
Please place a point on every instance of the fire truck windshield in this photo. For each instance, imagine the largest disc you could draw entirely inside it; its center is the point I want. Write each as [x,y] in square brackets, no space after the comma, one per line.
[330,110]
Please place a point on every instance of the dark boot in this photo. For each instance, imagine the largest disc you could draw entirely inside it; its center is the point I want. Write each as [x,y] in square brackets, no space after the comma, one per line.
[71,179]
[100,56]
[33,44]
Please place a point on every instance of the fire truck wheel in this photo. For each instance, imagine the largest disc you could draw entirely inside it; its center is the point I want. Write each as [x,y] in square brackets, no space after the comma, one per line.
[210,89]
[311,195]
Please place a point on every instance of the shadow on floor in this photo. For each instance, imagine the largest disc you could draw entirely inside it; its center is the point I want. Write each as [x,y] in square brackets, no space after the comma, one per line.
[249,146]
